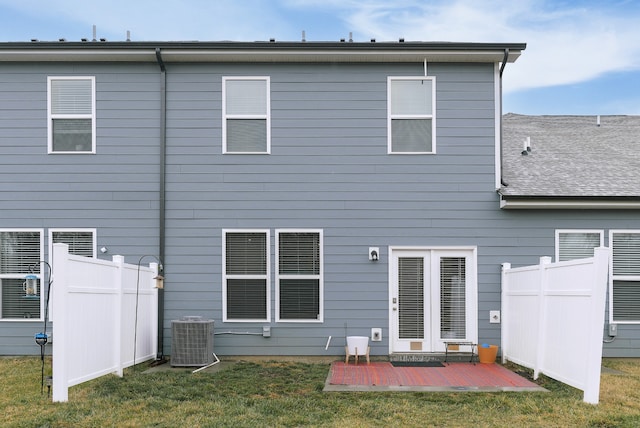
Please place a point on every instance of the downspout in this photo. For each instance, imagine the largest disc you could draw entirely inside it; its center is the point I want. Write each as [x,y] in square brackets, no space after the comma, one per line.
[504,63]
[162,191]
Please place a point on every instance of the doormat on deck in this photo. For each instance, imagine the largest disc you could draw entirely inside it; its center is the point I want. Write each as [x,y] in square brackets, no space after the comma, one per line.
[417,364]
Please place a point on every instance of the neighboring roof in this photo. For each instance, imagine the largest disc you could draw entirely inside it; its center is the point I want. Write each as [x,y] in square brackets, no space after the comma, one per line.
[574,162]
[225,51]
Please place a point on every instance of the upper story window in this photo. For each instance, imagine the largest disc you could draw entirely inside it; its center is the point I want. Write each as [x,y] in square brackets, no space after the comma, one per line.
[577,244]
[20,255]
[411,115]
[71,114]
[246,275]
[246,119]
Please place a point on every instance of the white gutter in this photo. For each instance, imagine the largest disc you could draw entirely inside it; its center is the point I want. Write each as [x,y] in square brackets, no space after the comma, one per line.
[567,204]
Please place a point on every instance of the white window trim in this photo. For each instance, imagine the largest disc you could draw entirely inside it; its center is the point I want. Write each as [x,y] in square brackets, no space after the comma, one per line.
[620,278]
[431,116]
[39,275]
[226,116]
[93,232]
[267,276]
[91,116]
[559,231]
[320,277]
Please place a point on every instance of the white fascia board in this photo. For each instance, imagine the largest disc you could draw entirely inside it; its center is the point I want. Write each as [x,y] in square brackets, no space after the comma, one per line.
[79,55]
[336,55]
[566,204]
[172,54]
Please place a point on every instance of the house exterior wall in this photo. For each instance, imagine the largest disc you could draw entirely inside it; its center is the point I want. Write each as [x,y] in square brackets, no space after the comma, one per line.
[114,191]
[328,169]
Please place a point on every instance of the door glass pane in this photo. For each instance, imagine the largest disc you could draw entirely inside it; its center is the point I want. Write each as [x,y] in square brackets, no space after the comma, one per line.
[411,298]
[452,298]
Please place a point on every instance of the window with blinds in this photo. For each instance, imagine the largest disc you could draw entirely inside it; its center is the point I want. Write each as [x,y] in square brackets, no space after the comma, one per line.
[625,275]
[411,297]
[246,275]
[71,114]
[299,275]
[20,255]
[411,114]
[577,244]
[246,119]
[453,323]
[80,242]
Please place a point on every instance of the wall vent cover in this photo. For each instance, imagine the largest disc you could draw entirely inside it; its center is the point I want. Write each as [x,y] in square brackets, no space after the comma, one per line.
[191,342]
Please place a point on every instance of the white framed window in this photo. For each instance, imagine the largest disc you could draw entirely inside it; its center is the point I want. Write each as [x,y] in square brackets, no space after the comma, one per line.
[411,106]
[20,255]
[574,244]
[245,275]
[81,242]
[71,111]
[246,116]
[624,287]
[299,275]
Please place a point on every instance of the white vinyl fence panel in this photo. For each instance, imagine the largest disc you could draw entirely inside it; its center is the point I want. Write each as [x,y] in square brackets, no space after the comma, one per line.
[553,319]
[99,308]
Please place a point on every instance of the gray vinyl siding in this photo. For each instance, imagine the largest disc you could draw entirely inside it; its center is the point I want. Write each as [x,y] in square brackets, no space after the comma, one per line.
[328,169]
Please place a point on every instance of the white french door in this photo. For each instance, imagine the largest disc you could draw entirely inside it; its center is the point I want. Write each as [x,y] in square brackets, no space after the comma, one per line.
[432,298]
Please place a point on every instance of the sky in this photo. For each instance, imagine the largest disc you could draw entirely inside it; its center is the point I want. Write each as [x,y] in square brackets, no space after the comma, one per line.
[582,56]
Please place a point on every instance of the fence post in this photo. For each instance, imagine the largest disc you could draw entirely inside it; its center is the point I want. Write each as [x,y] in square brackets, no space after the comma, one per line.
[59,295]
[153,308]
[504,311]
[117,338]
[542,315]
[594,347]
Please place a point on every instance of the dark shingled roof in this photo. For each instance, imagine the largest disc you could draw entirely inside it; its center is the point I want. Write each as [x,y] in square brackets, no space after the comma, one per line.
[571,156]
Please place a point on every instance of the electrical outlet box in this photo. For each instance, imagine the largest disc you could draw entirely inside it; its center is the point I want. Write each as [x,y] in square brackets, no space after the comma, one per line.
[613,330]
[494,317]
[266,331]
[376,334]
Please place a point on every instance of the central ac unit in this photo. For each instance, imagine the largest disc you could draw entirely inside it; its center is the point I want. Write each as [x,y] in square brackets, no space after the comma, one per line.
[192,342]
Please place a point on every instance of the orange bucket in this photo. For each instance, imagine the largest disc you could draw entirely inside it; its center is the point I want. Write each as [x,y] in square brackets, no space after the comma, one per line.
[487,354]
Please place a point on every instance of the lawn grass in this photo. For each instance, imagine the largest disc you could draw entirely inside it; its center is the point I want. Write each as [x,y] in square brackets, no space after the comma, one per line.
[270,394]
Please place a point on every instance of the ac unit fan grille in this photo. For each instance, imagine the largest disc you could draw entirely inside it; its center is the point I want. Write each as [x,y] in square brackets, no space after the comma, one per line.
[191,343]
